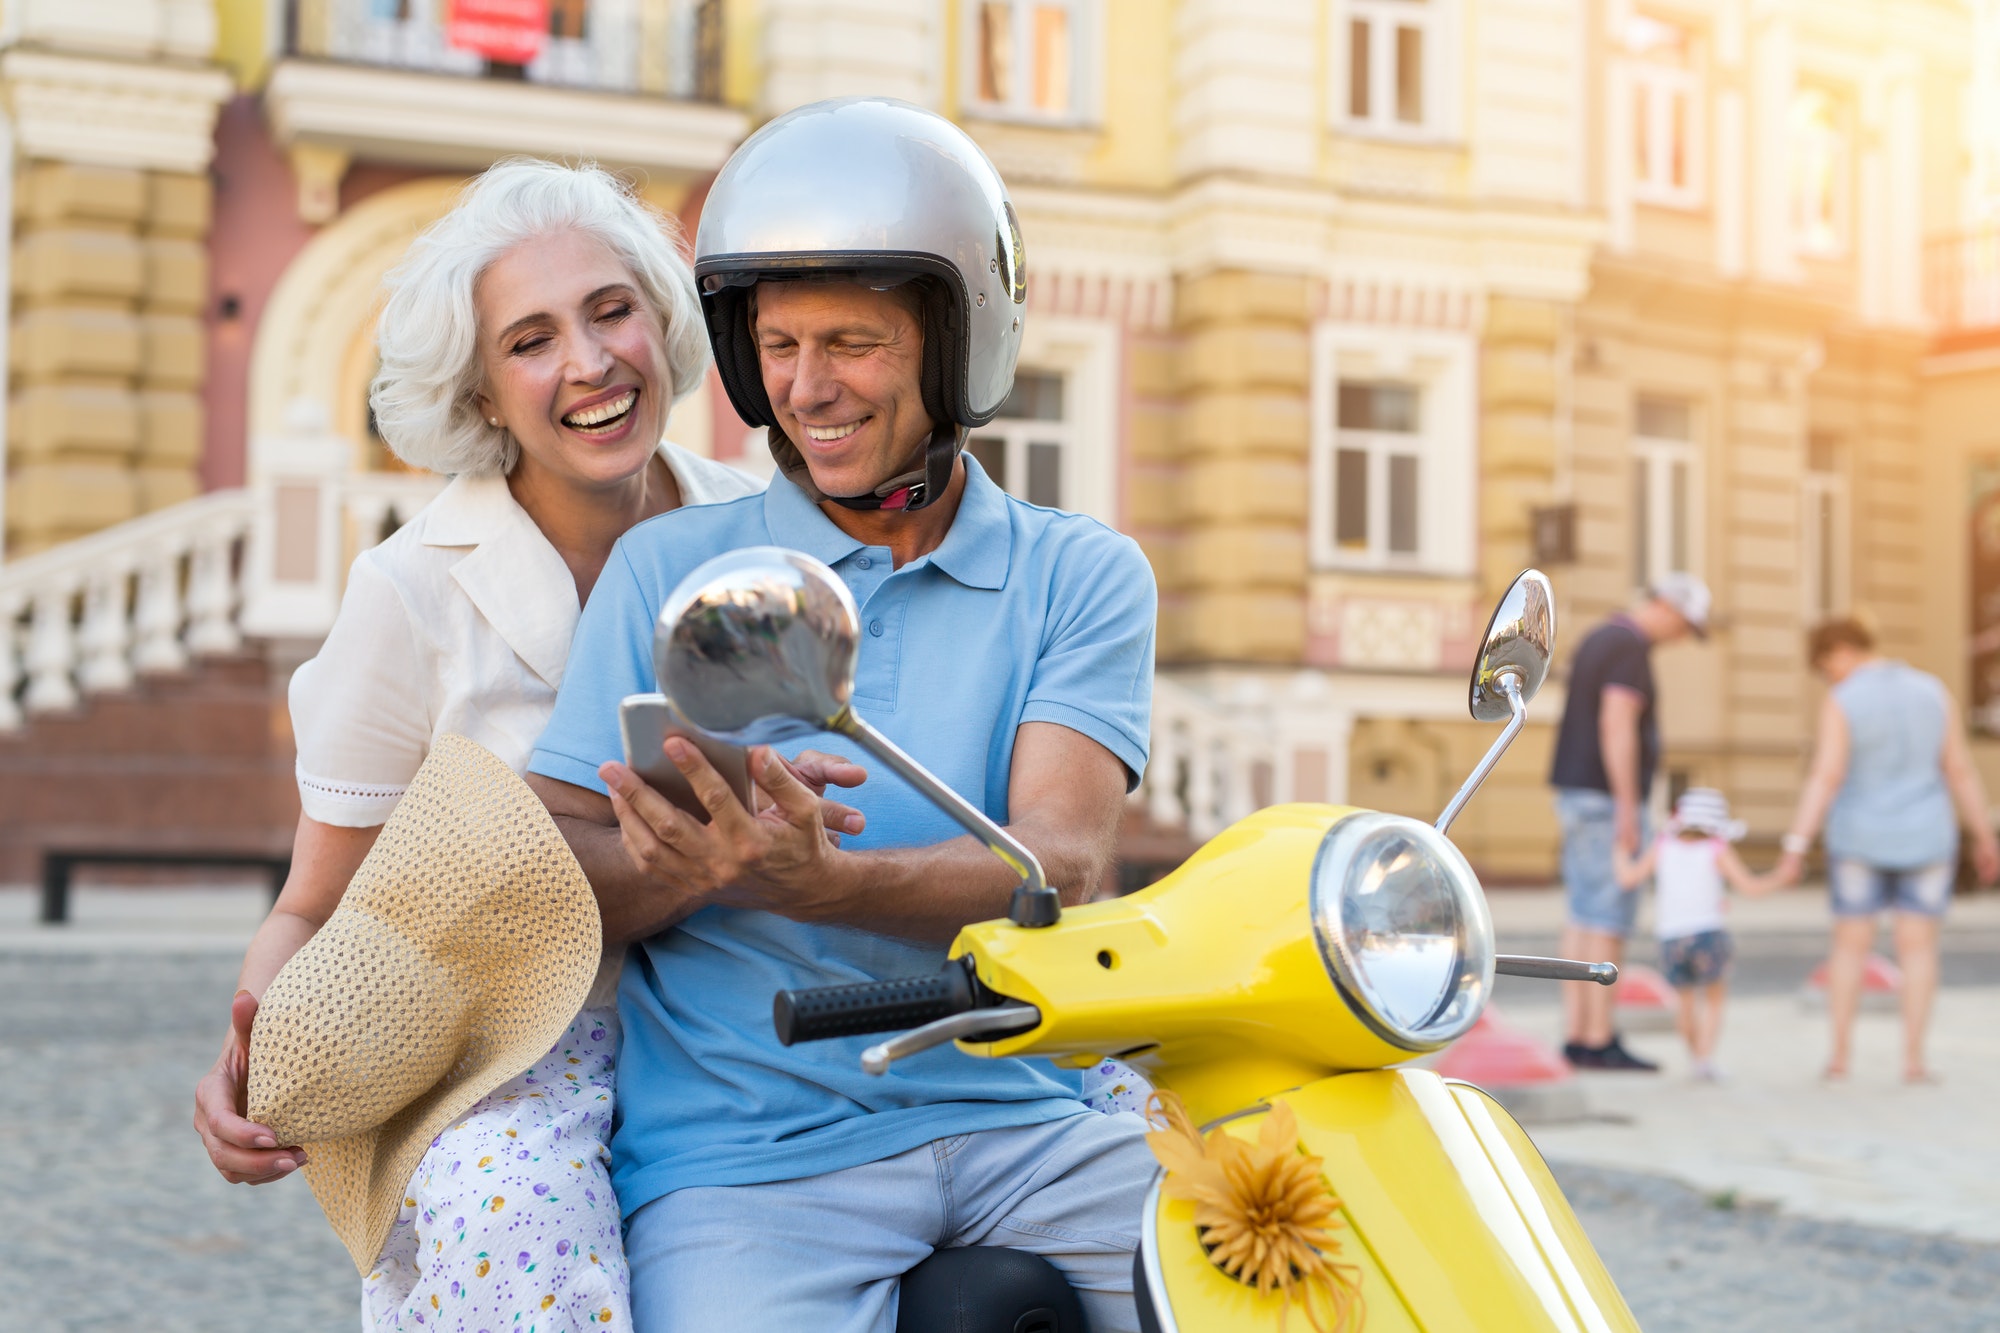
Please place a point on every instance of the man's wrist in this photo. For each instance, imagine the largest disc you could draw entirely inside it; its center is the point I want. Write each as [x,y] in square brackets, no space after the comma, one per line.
[1795,844]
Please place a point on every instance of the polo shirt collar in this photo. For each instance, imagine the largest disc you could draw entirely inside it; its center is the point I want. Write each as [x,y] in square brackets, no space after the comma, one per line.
[976,551]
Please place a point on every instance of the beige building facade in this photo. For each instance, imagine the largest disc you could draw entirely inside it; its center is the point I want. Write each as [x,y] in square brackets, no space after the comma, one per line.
[1346,310]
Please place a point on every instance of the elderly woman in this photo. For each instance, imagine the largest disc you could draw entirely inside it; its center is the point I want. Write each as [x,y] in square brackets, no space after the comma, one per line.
[532,346]
[1891,781]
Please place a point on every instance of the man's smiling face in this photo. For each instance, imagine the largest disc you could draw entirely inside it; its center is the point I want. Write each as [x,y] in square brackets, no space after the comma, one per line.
[841,364]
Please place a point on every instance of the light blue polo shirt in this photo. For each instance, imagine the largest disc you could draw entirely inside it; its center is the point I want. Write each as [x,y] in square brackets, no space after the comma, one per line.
[1022,614]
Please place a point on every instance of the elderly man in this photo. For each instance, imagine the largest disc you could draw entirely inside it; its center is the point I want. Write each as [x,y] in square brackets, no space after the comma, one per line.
[1606,752]
[861,269]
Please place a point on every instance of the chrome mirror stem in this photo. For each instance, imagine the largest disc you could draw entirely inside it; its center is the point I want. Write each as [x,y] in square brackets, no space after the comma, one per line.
[1035,903]
[1508,682]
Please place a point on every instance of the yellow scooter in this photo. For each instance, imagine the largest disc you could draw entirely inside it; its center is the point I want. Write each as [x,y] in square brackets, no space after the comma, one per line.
[1284,971]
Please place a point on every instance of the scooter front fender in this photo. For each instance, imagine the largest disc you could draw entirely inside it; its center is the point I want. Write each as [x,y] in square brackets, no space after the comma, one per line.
[1453,1219]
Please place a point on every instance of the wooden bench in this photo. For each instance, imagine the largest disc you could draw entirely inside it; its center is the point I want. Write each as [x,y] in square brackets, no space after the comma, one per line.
[59,866]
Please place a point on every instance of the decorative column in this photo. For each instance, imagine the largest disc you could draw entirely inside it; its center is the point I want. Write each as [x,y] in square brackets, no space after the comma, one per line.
[1517,432]
[109,271]
[1244,366]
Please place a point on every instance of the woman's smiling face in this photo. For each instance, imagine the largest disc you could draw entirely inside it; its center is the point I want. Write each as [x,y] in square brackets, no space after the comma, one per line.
[573,358]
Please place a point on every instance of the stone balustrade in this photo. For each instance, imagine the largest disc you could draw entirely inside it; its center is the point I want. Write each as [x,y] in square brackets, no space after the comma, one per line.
[145,596]
[148,596]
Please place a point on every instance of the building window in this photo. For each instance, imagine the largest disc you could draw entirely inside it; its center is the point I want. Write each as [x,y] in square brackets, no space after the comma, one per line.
[1394,63]
[1392,467]
[1823,497]
[1025,57]
[1665,495]
[1666,113]
[1819,163]
[1377,471]
[1024,447]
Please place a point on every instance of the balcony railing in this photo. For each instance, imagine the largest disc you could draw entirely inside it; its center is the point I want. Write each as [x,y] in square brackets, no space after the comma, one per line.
[1962,281]
[667,48]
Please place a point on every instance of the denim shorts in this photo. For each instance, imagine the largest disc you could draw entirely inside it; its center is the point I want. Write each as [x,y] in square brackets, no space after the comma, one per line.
[1859,889]
[1700,959]
[1589,829]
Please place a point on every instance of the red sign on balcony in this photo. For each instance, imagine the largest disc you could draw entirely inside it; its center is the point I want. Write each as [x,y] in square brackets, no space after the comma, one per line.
[507,32]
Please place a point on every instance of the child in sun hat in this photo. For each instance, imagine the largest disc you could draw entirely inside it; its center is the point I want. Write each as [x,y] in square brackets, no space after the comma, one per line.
[1691,863]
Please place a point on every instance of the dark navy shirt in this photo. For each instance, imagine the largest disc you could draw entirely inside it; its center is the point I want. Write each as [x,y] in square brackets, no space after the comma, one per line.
[1615,653]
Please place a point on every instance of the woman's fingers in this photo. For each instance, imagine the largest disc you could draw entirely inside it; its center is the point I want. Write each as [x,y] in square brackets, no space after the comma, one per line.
[242,1150]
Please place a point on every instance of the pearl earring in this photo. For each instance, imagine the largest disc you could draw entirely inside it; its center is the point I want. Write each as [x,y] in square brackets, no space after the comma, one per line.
[493,421]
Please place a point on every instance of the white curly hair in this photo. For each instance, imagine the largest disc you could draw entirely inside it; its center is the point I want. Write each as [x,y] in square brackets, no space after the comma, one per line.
[424,394]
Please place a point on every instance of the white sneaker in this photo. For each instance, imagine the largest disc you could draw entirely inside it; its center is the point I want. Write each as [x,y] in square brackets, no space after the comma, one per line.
[1705,1071]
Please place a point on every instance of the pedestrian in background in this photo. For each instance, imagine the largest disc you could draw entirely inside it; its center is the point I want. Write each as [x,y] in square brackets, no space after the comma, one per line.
[1691,863]
[1606,753]
[1891,780]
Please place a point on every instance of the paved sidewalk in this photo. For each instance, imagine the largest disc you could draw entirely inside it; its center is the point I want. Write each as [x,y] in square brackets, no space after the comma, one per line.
[1789,912]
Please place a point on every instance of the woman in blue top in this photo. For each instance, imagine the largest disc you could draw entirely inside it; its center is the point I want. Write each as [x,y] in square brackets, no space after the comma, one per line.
[1891,782]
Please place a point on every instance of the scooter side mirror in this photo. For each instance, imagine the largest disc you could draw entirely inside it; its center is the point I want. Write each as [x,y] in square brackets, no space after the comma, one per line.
[1513,662]
[1520,641]
[760,645]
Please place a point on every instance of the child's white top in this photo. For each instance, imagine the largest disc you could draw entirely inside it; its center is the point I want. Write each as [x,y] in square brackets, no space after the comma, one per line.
[1688,887]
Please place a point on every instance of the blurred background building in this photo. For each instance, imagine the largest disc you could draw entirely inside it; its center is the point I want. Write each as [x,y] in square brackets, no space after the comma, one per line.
[1346,309]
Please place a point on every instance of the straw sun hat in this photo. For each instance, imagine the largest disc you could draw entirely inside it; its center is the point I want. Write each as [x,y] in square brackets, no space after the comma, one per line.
[463,947]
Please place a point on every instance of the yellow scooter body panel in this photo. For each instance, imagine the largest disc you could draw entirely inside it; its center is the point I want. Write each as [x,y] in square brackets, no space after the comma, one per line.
[1455,1222]
[1209,980]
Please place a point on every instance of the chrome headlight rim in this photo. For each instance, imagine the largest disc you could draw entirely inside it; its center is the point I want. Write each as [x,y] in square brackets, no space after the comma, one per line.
[1464,998]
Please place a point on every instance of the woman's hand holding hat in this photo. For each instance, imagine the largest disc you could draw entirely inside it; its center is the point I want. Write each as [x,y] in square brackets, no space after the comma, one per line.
[246,1153]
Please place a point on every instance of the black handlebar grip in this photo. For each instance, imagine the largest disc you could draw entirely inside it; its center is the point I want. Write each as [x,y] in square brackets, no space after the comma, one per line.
[874,1006]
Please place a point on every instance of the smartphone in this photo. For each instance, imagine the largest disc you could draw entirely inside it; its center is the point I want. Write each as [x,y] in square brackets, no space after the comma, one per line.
[646,720]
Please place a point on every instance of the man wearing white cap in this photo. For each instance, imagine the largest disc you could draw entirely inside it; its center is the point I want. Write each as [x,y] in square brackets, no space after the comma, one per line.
[1606,753]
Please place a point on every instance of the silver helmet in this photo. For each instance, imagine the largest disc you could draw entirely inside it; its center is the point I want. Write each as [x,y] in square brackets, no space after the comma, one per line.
[887,193]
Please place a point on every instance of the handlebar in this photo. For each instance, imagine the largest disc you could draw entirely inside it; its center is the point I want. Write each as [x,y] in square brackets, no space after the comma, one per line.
[823,1012]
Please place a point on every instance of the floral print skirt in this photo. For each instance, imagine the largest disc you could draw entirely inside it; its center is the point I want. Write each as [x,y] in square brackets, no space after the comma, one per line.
[510,1223]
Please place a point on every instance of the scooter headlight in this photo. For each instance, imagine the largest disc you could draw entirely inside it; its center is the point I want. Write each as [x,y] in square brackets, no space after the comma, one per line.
[1403,928]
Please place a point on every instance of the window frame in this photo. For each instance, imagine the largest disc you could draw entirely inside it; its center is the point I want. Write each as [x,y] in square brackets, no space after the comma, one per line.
[1841,133]
[1086,79]
[1825,557]
[1658,454]
[1085,353]
[1441,366]
[1439,22]
[1016,434]
[1649,79]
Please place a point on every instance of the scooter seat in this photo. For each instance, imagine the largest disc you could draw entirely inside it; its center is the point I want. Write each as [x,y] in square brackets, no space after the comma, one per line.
[986,1289]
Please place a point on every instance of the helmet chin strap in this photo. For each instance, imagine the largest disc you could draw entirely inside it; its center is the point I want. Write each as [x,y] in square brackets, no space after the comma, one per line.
[908,491]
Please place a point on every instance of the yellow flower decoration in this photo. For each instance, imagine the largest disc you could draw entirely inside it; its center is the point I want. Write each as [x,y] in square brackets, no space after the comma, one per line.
[1265,1211]
[547,1301]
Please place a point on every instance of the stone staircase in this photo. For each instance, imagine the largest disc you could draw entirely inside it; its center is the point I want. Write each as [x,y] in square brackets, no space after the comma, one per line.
[143,669]
[193,761]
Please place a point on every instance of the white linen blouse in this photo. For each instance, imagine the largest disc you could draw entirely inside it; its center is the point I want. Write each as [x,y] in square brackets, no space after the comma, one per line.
[459,623]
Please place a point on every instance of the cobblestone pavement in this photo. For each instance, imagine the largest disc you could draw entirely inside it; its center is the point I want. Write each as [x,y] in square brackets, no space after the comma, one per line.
[111,1218]
[1690,1263]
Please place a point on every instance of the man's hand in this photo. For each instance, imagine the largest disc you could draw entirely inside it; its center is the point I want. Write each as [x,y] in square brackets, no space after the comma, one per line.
[1791,868]
[1626,823]
[780,859]
[244,1152]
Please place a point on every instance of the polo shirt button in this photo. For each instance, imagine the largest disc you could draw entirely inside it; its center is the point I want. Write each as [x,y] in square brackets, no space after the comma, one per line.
[875,628]
[864,563]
